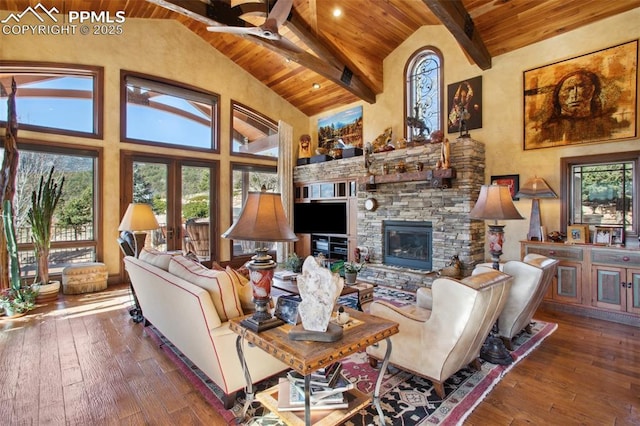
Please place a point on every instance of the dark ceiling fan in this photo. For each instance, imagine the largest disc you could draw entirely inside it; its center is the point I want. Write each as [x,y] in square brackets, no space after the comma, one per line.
[269,29]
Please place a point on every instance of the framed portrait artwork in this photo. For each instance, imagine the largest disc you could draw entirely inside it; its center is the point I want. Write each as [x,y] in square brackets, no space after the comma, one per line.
[512,181]
[609,235]
[589,98]
[465,97]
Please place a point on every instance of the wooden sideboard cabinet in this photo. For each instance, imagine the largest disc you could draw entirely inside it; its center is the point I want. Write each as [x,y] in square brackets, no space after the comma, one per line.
[599,281]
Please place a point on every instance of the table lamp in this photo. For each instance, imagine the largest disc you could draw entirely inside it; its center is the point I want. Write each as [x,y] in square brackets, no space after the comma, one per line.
[495,203]
[536,188]
[262,219]
[139,218]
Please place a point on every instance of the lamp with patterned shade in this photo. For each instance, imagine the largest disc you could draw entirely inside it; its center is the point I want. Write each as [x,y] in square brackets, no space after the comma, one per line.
[262,219]
[536,188]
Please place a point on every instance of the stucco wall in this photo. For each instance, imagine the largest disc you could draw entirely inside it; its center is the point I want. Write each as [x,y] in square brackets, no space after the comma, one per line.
[502,86]
[162,48]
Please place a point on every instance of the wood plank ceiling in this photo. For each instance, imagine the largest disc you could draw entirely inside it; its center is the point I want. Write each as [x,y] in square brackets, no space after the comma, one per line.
[359,39]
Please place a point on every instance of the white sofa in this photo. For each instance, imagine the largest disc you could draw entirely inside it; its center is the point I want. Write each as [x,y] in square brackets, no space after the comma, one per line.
[186,314]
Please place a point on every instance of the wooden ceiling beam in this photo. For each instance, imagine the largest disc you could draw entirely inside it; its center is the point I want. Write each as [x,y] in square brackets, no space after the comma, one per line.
[326,64]
[457,20]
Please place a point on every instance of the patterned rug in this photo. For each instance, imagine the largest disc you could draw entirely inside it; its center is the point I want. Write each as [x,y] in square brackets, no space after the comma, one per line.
[406,399]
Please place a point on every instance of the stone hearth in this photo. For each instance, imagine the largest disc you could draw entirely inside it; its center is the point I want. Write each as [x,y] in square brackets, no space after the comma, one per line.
[446,208]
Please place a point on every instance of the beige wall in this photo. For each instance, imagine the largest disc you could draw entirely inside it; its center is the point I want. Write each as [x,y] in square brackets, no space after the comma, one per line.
[167,49]
[502,86]
[162,48]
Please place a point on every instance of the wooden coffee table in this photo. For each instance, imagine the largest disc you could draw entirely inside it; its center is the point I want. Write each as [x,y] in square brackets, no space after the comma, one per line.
[306,357]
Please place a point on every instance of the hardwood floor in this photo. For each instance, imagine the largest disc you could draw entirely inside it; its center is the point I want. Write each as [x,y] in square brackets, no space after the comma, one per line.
[83,361]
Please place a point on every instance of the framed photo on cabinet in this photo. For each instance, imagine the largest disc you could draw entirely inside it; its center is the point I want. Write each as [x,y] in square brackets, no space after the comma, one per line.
[578,234]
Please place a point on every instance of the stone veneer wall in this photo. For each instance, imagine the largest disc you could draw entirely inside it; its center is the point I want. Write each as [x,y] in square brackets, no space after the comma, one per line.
[446,208]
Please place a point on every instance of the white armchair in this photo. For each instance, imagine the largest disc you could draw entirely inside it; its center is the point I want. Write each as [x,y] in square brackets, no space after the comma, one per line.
[531,280]
[444,331]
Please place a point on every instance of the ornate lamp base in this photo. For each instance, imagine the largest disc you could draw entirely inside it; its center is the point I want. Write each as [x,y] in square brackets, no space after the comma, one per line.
[261,270]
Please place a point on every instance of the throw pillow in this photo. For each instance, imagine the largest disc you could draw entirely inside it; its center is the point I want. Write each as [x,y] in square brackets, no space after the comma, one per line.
[156,258]
[217,283]
[244,290]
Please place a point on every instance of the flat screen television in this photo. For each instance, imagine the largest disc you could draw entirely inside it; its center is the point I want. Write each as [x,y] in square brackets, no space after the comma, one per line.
[320,218]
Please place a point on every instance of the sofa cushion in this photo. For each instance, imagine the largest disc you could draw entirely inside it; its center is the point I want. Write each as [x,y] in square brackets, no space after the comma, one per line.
[244,290]
[156,258]
[218,283]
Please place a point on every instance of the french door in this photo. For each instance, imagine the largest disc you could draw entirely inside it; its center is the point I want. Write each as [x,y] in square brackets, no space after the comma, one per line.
[182,193]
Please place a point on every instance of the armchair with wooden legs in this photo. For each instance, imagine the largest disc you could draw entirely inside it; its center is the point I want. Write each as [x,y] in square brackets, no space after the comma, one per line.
[444,331]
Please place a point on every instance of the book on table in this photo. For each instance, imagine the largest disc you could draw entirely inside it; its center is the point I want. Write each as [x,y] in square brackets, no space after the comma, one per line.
[325,378]
[288,391]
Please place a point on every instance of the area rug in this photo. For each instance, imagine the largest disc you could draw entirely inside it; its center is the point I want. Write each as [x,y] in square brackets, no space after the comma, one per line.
[406,399]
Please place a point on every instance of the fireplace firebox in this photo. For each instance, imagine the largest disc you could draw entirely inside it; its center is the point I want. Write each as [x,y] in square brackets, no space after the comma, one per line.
[408,244]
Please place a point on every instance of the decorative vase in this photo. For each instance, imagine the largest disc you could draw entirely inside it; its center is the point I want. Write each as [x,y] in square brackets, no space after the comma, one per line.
[350,277]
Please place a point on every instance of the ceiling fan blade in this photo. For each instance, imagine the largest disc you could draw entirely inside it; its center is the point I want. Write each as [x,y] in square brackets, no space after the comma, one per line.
[236,30]
[281,11]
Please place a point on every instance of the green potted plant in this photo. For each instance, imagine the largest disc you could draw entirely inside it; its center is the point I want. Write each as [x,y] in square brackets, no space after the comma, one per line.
[40,216]
[351,270]
[293,263]
[15,300]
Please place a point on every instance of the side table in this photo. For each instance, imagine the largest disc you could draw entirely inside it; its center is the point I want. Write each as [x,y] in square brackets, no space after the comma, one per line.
[306,357]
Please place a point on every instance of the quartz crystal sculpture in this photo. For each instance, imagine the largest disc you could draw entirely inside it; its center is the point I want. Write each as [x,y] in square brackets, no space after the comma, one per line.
[319,289]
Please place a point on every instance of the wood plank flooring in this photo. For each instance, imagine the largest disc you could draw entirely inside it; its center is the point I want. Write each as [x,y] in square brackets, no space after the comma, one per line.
[82,361]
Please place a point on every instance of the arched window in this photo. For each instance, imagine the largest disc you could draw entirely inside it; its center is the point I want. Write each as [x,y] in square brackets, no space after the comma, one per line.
[423,106]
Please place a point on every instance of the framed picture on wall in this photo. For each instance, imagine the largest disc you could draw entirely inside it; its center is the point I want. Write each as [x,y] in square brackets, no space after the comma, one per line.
[512,181]
[589,98]
[341,130]
[465,96]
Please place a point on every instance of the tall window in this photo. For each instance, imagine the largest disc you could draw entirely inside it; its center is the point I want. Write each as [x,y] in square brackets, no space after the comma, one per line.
[159,111]
[247,179]
[602,190]
[423,107]
[253,133]
[73,234]
[54,99]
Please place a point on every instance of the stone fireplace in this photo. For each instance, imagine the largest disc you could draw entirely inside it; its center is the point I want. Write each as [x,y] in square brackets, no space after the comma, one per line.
[407,244]
[446,208]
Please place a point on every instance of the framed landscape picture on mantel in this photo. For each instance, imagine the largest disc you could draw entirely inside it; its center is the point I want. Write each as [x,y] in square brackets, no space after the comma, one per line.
[589,98]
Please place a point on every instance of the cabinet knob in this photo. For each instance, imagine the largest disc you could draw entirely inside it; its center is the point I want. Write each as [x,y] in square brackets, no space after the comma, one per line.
[625,258]
[552,252]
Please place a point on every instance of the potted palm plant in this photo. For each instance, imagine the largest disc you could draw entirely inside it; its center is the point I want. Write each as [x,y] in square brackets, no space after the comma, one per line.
[40,217]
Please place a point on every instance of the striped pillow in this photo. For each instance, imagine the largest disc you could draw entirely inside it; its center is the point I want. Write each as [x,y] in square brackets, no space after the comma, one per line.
[218,283]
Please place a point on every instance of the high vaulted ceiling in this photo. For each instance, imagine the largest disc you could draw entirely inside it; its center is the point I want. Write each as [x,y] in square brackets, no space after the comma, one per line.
[359,39]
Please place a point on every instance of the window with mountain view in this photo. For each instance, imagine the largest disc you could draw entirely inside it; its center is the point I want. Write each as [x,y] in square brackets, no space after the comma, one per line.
[73,234]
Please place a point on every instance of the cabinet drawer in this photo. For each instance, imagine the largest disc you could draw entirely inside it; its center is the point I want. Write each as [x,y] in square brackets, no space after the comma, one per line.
[616,257]
[561,252]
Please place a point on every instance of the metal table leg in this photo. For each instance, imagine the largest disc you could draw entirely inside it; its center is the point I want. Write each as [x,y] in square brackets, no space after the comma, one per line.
[249,396]
[307,400]
[376,391]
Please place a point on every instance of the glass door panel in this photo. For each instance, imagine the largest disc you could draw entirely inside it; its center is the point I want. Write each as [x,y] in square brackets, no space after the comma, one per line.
[150,186]
[196,211]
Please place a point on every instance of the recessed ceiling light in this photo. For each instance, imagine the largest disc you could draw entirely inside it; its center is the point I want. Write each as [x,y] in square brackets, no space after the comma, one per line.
[316,85]
[337,12]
